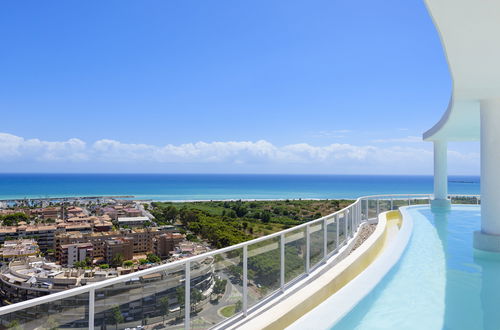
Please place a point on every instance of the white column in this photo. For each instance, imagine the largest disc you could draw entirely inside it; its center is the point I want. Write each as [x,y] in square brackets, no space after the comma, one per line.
[489,237]
[440,175]
[440,170]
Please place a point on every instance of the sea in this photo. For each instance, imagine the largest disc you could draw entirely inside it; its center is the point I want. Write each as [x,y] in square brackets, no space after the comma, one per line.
[175,187]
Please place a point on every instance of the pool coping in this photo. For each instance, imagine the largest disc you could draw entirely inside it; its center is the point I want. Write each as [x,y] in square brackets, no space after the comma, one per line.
[345,299]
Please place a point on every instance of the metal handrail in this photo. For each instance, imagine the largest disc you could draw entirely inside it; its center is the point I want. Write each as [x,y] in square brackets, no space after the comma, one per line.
[358,215]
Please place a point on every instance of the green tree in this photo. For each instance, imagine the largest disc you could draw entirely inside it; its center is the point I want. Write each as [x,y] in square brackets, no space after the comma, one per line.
[153,258]
[79,264]
[117,260]
[265,216]
[143,261]
[219,286]
[14,219]
[128,263]
[196,296]
[238,306]
[181,296]
[104,266]
[117,316]
[164,308]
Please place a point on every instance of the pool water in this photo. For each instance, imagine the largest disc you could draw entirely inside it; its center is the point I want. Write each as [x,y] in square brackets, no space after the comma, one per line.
[441,282]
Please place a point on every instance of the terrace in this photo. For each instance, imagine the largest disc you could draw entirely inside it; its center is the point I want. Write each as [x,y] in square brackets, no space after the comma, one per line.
[308,275]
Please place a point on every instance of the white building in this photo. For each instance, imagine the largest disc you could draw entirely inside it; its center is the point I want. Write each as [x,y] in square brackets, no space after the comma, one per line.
[469,33]
[132,221]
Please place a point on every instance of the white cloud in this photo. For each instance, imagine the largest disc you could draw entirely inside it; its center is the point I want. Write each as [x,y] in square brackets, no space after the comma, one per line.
[13,147]
[230,155]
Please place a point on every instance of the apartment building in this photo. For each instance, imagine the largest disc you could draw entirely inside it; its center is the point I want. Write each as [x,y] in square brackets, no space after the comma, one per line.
[122,246]
[68,254]
[165,243]
[43,234]
[142,239]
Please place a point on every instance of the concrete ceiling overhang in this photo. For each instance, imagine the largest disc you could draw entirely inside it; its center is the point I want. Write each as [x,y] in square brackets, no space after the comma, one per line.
[470,35]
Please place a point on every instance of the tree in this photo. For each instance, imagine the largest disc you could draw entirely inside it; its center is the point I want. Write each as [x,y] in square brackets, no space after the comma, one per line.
[79,264]
[265,216]
[153,258]
[219,286]
[196,296]
[128,263]
[117,316]
[143,261]
[238,306]
[181,295]
[187,216]
[104,266]
[117,260]
[14,218]
[164,308]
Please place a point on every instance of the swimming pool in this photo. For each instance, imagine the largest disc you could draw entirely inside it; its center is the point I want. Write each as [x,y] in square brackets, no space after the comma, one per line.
[441,282]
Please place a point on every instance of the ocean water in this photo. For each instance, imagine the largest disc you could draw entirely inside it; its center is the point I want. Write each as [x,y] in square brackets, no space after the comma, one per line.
[224,186]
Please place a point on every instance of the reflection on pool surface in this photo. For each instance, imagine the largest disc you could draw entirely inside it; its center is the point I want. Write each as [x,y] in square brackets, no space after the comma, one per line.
[441,282]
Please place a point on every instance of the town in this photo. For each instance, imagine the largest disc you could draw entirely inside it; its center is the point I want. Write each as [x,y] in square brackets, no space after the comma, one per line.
[53,245]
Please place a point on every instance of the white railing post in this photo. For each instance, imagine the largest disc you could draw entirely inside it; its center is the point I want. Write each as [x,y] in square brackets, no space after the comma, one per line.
[325,239]
[351,219]
[392,204]
[308,249]
[409,201]
[378,207]
[337,243]
[91,308]
[245,280]
[358,214]
[346,232]
[282,262]
[187,296]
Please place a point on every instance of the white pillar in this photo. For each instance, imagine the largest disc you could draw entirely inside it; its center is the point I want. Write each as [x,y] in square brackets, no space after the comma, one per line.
[489,237]
[440,175]
[440,170]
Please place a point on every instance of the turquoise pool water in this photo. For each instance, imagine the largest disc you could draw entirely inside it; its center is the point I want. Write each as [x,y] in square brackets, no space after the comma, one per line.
[441,282]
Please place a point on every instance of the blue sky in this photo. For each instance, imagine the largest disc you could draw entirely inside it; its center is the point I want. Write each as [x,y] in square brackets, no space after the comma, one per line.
[222,86]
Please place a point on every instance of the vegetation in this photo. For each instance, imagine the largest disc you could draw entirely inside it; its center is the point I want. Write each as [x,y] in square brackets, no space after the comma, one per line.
[117,260]
[117,316]
[164,308]
[219,286]
[153,258]
[83,264]
[104,266]
[128,263]
[224,223]
[230,310]
[13,219]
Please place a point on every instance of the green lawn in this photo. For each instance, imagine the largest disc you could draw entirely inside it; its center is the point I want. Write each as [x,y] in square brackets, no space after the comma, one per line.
[228,311]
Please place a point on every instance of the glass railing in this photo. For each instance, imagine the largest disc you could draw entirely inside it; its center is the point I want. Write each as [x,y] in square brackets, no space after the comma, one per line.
[210,289]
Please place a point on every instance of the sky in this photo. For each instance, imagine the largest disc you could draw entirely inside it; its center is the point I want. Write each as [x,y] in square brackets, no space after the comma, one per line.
[197,86]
